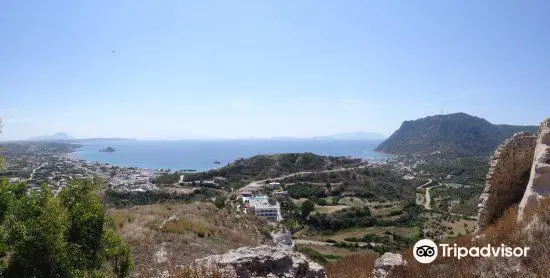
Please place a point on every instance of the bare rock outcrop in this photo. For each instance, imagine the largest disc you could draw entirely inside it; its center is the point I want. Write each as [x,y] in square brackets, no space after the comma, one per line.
[264,261]
[538,187]
[283,239]
[507,178]
[385,264]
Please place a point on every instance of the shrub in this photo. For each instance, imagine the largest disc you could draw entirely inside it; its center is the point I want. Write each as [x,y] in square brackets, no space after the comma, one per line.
[220,201]
[307,207]
[396,212]
[313,255]
[305,190]
[333,257]
[345,218]
[68,235]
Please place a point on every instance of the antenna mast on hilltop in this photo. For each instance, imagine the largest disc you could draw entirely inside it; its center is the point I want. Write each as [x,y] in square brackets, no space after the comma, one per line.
[440,120]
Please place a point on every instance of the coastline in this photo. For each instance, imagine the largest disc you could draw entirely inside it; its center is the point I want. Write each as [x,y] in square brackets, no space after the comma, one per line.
[200,156]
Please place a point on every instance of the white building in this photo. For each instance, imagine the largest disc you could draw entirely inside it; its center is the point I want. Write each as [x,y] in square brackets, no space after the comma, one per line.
[259,205]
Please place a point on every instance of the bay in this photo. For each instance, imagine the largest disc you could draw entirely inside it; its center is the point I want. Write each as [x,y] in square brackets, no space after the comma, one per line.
[200,154]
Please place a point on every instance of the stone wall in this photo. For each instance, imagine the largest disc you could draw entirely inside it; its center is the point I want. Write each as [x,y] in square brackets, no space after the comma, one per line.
[507,178]
[539,182]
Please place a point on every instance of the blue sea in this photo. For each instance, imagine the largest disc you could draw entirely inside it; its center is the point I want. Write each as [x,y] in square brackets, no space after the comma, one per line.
[200,154]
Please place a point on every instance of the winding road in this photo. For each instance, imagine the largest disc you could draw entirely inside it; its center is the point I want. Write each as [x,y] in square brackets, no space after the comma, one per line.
[313,242]
[322,243]
[427,198]
[261,183]
[34,171]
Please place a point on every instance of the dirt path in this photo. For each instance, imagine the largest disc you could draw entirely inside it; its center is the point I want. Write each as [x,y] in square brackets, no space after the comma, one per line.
[34,171]
[426,184]
[313,242]
[322,243]
[428,200]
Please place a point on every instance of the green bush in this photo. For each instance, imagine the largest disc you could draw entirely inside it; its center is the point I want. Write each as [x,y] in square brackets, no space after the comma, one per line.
[68,235]
[342,219]
[333,257]
[305,190]
[170,178]
[313,255]
[123,199]
[396,212]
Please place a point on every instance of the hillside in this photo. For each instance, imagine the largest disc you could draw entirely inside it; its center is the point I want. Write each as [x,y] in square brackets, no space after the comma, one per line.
[270,166]
[456,134]
[163,236]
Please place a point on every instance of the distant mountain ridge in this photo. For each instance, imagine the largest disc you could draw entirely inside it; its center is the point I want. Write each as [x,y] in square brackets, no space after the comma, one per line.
[56,136]
[63,136]
[457,134]
[354,135]
[358,135]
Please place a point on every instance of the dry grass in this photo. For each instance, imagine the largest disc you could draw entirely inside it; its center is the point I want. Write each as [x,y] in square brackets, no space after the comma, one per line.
[188,224]
[164,237]
[330,209]
[461,226]
[352,266]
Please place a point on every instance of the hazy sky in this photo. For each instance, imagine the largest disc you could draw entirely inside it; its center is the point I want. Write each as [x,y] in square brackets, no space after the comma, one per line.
[267,68]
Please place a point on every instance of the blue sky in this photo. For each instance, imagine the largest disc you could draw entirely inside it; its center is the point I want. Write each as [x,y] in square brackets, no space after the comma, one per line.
[233,69]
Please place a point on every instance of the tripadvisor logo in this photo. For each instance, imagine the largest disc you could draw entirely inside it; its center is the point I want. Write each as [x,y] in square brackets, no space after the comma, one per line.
[425,251]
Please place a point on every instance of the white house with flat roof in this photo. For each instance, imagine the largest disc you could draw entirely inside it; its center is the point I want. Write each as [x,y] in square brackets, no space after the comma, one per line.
[260,206]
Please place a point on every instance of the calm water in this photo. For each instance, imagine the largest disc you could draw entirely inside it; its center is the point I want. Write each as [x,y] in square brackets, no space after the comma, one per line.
[200,155]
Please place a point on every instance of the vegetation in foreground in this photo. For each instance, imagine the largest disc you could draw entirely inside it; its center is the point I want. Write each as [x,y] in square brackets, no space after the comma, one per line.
[168,235]
[68,235]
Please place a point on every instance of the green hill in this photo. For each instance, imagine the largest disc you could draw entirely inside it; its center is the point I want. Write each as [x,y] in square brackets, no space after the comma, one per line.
[270,166]
[456,134]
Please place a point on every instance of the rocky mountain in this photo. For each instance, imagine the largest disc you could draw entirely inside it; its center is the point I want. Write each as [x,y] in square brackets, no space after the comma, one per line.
[456,134]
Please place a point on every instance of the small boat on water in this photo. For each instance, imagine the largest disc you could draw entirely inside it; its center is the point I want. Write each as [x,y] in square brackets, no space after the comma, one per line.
[217,162]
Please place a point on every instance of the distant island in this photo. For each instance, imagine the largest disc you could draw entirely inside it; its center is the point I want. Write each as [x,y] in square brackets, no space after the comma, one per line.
[108,150]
